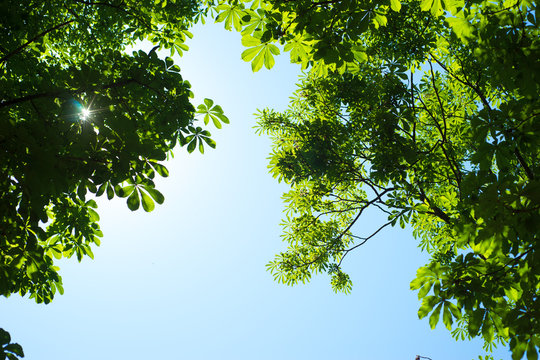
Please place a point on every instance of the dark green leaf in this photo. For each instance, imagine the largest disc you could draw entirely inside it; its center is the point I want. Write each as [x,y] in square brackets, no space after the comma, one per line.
[133,201]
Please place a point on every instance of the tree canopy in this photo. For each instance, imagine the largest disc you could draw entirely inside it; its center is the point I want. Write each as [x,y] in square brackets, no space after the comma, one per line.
[80,118]
[424,110]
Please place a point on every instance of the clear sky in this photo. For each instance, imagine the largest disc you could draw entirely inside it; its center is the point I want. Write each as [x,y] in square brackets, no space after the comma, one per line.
[188,280]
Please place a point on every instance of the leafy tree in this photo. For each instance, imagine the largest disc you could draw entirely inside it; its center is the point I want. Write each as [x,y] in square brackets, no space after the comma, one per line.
[9,350]
[79,118]
[427,111]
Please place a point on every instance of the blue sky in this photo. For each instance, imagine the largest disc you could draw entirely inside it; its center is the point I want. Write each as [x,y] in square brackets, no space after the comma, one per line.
[188,280]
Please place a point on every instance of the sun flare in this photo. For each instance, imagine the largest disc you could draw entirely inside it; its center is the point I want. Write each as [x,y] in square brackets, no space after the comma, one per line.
[85,114]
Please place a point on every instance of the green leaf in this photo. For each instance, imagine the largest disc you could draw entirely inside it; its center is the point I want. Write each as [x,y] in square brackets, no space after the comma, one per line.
[488,331]
[216,122]
[249,41]
[208,103]
[13,356]
[156,195]
[447,317]
[512,293]
[532,354]
[60,288]
[101,189]
[436,8]
[147,202]
[518,350]
[223,118]
[217,109]
[124,191]
[160,169]
[427,305]
[88,251]
[201,147]
[434,318]
[16,349]
[191,146]
[462,28]
[273,49]
[455,310]
[5,338]
[475,321]
[110,192]
[133,201]
[395,5]
[425,5]
[269,58]
[249,54]
[210,142]
[258,62]
[32,269]
[424,290]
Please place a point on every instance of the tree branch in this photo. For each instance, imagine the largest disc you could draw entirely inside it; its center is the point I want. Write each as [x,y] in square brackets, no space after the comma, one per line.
[20,48]
[60,93]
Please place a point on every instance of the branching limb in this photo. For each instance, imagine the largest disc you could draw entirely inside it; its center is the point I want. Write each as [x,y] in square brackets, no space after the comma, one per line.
[21,48]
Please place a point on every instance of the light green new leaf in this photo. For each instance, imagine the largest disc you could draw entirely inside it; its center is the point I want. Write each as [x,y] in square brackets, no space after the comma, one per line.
[427,305]
[249,41]
[260,54]
[425,5]
[436,8]
[249,54]
[455,310]
[395,5]
[434,318]
[215,113]
[462,28]
[447,316]
[147,202]
[258,62]
[512,293]
[232,15]
[31,269]
[208,102]
[216,122]
[424,290]
[269,59]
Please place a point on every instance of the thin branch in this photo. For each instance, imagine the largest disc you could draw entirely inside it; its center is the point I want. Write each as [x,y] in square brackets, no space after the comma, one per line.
[443,115]
[20,48]
[464,82]
[60,93]
[523,164]
[345,252]
[436,210]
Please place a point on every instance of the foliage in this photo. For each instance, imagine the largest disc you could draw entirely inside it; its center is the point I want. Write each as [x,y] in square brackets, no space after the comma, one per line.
[9,350]
[80,118]
[427,111]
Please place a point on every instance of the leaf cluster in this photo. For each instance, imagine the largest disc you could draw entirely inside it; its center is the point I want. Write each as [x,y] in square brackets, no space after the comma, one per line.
[9,350]
[82,118]
[428,112]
